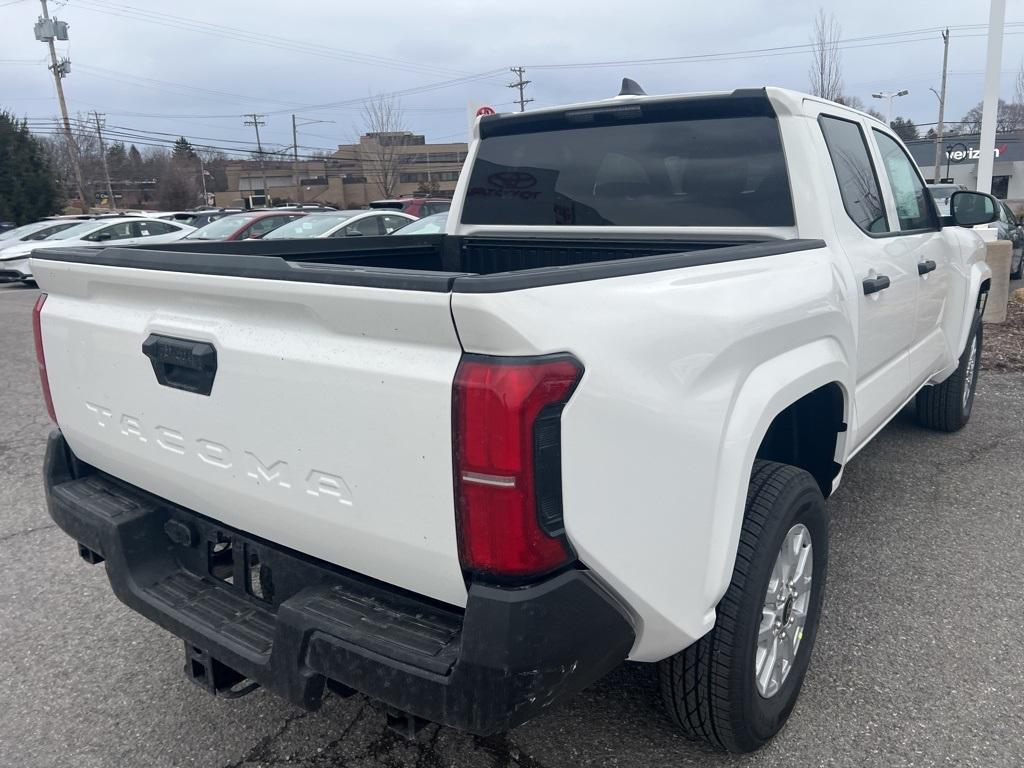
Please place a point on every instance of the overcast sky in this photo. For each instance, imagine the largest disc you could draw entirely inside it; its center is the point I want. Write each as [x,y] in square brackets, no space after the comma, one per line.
[143,63]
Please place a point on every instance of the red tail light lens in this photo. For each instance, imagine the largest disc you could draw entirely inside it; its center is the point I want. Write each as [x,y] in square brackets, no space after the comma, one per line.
[37,334]
[507,438]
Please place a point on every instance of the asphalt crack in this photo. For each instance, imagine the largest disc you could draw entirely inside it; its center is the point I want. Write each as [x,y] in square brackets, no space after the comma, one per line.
[16,534]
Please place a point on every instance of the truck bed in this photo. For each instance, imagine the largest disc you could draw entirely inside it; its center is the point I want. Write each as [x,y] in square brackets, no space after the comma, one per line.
[440,263]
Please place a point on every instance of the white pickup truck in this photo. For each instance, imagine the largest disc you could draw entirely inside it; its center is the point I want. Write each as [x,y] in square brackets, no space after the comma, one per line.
[597,419]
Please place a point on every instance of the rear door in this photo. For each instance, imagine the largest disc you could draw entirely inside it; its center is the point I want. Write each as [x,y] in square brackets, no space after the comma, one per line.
[916,231]
[884,268]
[327,427]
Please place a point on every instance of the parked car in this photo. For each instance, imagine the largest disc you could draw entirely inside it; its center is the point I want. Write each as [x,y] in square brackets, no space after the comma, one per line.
[642,359]
[39,230]
[428,225]
[941,193]
[309,207]
[196,218]
[244,226]
[342,224]
[1010,228]
[416,206]
[126,230]
[7,226]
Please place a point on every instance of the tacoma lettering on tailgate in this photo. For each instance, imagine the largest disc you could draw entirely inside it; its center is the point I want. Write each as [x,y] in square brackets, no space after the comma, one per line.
[314,482]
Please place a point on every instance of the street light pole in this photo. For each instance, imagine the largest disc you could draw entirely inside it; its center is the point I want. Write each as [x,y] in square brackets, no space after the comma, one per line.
[889,96]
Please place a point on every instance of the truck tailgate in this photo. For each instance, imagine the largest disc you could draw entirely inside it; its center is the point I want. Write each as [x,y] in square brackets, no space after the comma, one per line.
[327,428]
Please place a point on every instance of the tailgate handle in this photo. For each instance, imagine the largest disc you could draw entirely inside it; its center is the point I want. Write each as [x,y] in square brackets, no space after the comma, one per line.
[182,363]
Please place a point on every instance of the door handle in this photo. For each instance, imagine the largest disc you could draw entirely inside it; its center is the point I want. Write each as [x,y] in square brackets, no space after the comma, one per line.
[875,284]
[924,267]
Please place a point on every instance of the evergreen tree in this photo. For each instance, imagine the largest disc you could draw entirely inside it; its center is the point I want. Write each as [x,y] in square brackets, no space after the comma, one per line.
[904,128]
[28,190]
[182,149]
[117,160]
[134,162]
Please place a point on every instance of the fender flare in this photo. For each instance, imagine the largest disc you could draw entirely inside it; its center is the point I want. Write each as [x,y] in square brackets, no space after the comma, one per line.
[769,389]
[980,272]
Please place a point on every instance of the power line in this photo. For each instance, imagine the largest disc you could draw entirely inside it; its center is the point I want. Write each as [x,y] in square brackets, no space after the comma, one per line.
[866,41]
[258,38]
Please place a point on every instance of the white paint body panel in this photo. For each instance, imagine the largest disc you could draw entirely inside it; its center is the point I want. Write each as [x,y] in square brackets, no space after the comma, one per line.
[685,370]
[352,384]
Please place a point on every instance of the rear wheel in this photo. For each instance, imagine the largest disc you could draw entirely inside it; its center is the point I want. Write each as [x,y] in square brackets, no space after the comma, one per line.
[736,687]
[947,406]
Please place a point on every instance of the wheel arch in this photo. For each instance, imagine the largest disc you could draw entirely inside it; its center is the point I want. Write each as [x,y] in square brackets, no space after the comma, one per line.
[797,385]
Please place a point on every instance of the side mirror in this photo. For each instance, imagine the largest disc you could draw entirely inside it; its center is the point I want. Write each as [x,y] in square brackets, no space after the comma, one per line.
[971,209]
[353,233]
[103,236]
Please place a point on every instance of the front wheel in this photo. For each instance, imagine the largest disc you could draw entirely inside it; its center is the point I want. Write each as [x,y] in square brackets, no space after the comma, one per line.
[947,406]
[735,688]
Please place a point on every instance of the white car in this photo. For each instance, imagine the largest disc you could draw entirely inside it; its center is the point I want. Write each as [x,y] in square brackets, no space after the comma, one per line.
[598,418]
[38,230]
[342,224]
[123,230]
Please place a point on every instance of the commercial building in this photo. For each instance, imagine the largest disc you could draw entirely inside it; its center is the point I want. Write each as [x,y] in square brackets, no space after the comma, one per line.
[379,165]
[959,155]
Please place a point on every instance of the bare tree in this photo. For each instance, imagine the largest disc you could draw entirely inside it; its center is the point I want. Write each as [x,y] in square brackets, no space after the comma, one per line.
[1009,117]
[384,132]
[826,72]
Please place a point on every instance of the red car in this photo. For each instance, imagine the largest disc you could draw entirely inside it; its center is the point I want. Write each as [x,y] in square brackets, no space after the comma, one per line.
[415,206]
[250,225]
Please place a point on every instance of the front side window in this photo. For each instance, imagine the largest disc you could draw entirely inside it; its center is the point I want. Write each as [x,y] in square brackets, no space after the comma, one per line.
[393,223]
[119,231]
[147,228]
[266,224]
[696,163]
[858,184]
[368,227]
[913,204]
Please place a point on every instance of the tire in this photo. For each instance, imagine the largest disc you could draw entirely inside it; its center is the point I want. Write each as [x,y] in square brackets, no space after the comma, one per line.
[709,689]
[1019,272]
[946,407]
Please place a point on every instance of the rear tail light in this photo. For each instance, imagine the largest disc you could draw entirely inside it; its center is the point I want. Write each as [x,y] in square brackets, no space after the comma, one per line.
[508,476]
[37,334]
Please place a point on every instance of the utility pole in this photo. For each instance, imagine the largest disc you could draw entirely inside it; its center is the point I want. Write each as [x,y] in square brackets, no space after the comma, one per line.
[295,148]
[202,178]
[940,129]
[520,83]
[256,122]
[103,156]
[47,30]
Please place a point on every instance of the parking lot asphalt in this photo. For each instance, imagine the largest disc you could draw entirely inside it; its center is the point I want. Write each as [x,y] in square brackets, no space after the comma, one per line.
[919,661]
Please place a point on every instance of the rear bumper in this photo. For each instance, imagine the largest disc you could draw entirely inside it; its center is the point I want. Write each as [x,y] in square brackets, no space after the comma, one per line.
[291,623]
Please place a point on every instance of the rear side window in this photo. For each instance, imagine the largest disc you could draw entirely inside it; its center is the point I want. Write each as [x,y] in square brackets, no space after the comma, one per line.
[855,173]
[913,204]
[691,164]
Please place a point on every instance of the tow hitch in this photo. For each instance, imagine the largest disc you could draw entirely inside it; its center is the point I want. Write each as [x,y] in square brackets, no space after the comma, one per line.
[214,676]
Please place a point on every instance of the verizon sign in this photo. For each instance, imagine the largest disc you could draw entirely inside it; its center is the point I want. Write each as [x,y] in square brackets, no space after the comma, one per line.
[961,153]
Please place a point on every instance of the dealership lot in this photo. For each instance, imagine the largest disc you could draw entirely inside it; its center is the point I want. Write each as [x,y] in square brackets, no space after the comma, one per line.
[917,662]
